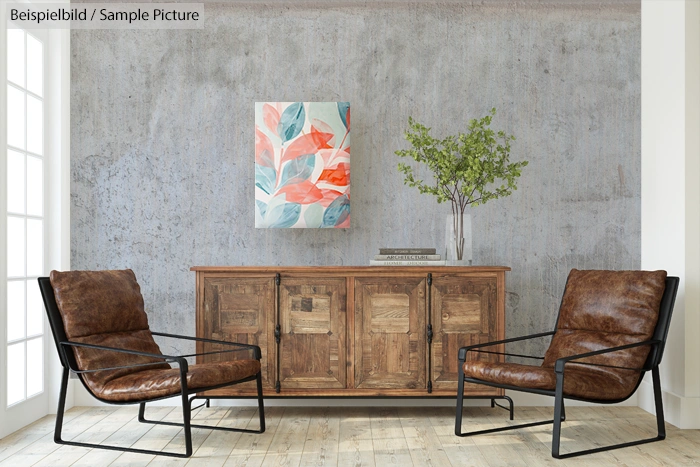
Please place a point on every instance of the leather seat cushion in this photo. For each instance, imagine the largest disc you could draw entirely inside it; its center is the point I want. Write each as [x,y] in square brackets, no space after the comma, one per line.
[583,381]
[140,341]
[567,342]
[148,384]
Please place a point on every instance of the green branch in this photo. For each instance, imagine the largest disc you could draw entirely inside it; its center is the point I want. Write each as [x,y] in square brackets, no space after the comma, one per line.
[470,168]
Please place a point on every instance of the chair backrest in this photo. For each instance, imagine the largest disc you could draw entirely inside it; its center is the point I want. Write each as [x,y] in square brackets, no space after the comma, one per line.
[56,323]
[603,309]
[100,308]
[664,323]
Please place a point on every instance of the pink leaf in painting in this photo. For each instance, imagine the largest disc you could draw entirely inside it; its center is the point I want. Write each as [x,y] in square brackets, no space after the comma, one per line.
[302,193]
[264,153]
[339,176]
[307,144]
[271,117]
[328,197]
[346,223]
[347,119]
[332,157]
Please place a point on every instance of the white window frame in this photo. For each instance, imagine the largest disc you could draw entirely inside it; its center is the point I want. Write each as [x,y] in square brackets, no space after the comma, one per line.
[56,159]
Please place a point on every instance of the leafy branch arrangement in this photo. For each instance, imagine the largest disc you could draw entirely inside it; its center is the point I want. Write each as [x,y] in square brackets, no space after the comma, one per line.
[465,167]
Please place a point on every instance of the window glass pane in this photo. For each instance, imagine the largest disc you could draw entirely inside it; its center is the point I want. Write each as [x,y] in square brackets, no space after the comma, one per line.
[15,56]
[15,373]
[15,181]
[15,117]
[15,247]
[35,309]
[35,366]
[15,310]
[35,247]
[35,186]
[35,65]
[35,125]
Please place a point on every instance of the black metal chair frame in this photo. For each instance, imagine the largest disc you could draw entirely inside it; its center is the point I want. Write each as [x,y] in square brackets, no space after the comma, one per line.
[657,344]
[69,364]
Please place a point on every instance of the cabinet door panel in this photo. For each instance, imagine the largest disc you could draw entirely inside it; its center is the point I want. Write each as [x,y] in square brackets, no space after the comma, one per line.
[312,321]
[464,312]
[390,333]
[240,310]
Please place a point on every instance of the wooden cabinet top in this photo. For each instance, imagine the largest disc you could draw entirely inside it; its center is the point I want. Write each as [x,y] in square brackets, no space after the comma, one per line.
[350,270]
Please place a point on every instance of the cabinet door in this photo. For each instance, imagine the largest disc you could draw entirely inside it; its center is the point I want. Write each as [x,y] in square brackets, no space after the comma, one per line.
[464,312]
[312,322]
[390,332]
[239,310]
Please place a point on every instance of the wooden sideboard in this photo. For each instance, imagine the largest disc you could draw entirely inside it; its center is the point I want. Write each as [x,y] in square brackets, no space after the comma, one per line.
[352,331]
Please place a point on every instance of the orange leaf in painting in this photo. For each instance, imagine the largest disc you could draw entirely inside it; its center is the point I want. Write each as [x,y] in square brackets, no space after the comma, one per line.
[264,153]
[321,135]
[302,193]
[271,117]
[339,176]
[307,144]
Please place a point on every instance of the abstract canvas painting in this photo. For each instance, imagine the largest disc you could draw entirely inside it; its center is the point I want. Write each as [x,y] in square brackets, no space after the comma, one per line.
[302,165]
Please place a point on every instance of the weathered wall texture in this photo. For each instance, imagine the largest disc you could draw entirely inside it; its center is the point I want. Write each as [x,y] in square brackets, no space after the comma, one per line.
[162,139]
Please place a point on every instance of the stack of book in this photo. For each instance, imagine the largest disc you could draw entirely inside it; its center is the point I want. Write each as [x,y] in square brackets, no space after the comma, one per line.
[407,257]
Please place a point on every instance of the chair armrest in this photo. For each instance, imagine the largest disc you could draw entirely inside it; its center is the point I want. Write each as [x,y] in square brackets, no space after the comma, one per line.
[181,361]
[463,351]
[256,348]
[561,362]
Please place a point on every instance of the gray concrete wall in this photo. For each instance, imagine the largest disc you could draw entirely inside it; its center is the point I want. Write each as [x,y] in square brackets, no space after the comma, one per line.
[162,139]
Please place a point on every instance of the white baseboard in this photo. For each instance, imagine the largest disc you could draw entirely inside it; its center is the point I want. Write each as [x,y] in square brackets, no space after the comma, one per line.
[520,399]
[680,411]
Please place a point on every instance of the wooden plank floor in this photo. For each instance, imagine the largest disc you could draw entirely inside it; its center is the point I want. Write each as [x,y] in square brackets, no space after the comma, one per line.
[350,436]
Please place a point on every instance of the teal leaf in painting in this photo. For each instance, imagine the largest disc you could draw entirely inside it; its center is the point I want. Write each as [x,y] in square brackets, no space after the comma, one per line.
[313,216]
[262,207]
[265,178]
[337,212]
[291,122]
[283,216]
[297,170]
[343,110]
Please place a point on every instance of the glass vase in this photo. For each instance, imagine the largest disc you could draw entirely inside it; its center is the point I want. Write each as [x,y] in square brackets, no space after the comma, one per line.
[458,239]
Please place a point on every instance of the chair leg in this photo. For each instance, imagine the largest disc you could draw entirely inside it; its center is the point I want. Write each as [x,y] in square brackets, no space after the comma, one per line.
[510,404]
[59,427]
[458,415]
[186,418]
[187,421]
[142,413]
[659,424]
[563,411]
[460,401]
[261,404]
[61,407]
[558,413]
[658,402]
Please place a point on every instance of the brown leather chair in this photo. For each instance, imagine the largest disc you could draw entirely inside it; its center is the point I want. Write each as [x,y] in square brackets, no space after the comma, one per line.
[101,331]
[611,329]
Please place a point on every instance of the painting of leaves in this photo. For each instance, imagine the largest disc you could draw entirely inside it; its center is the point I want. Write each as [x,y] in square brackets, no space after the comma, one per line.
[302,165]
